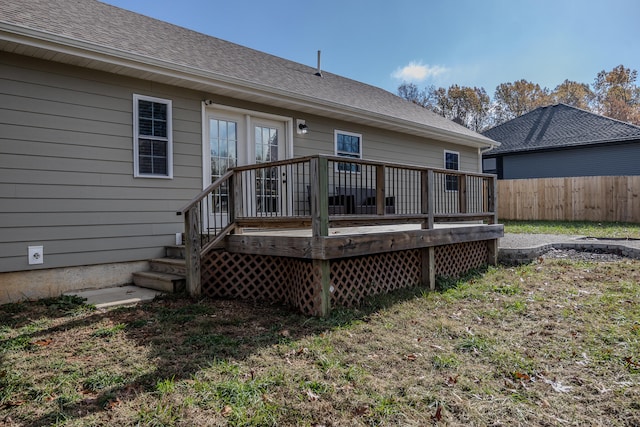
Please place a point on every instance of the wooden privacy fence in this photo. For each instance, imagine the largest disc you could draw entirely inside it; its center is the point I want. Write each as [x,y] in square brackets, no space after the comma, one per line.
[590,198]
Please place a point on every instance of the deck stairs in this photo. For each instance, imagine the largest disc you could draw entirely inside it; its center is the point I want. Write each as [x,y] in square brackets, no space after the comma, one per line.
[165,274]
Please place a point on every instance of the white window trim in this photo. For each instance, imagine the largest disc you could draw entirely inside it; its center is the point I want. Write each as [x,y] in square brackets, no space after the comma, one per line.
[136,136]
[444,161]
[336,132]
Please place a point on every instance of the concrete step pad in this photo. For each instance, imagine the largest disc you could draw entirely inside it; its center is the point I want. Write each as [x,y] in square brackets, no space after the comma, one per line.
[165,282]
[117,296]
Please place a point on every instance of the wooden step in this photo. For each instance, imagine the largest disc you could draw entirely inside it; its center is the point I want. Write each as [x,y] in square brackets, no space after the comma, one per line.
[169,265]
[159,281]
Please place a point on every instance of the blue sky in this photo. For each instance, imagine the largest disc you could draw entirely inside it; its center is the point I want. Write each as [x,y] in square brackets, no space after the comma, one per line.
[383,43]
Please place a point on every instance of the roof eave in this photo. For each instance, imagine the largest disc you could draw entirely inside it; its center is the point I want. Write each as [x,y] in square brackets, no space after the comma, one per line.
[241,88]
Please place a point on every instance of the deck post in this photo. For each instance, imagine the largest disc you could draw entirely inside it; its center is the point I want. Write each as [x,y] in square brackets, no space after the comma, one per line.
[319,196]
[493,199]
[428,266]
[427,201]
[492,252]
[235,191]
[192,250]
[323,268]
[380,190]
[462,193]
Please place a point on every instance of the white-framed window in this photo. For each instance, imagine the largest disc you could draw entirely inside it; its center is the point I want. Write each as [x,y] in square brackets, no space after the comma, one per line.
[452,162]
[152,137]
[348,144]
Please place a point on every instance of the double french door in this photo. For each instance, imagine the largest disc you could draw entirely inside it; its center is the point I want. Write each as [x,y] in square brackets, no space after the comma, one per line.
[242,139]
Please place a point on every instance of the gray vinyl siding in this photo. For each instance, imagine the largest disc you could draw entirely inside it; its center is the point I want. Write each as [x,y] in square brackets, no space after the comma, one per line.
[66,163]
[602,160]
[382,145]
[66,167]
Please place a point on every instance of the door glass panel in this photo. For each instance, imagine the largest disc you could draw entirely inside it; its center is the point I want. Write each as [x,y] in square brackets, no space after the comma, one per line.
[223,140]
[267,179]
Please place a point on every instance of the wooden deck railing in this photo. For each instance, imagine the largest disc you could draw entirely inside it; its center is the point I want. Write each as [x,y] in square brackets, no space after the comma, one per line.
[319,192]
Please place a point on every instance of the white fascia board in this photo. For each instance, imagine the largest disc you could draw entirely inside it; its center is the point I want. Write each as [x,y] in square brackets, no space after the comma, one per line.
[108,55]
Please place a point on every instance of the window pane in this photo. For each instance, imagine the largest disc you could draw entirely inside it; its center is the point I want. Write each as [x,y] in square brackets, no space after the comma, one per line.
[160,128]
[159,166]
[145,165]
[145,127]
[159,149]
[348,144]
[145,109]
[144,147]
[152,157]
[451,161]
[152,118]
[159,111]
[223,141]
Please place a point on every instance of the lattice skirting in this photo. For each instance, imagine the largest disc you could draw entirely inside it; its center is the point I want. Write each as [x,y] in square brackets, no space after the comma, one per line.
[353,279]
[455,260]
[297,282]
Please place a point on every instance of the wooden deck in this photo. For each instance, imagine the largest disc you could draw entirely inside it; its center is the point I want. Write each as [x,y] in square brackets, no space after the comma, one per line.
[304,232]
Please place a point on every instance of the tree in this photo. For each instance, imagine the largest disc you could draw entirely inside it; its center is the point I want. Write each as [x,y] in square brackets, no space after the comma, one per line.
[465,105]
[617,95]
[410,92]
[515,99]
[575,94]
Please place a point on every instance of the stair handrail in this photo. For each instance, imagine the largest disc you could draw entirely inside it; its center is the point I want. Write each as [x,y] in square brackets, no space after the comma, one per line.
[193,227]
[204,193]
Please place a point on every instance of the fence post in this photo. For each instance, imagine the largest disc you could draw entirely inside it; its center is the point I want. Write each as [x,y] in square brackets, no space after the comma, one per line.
[192,250]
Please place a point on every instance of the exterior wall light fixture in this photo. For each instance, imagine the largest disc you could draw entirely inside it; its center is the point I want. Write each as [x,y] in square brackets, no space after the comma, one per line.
[302,127]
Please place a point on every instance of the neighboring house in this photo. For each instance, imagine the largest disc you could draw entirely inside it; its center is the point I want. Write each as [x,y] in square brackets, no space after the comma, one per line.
[563,141]
[111,121]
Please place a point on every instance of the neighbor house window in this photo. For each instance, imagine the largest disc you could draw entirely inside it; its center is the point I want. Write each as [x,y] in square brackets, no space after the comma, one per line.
[152,137]
[452,162]
[348,145]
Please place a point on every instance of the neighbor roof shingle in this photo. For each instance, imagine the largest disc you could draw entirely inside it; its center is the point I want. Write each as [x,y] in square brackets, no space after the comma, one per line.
[558,126]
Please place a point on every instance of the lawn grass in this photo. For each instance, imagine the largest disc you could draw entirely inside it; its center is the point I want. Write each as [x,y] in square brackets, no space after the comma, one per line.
[556,343]
[618,230]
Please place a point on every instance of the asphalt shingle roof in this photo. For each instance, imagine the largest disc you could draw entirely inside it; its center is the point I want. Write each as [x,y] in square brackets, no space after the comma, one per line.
[104,25]
[558,126]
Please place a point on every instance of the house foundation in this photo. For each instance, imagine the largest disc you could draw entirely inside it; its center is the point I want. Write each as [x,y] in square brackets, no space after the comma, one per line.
[53,282]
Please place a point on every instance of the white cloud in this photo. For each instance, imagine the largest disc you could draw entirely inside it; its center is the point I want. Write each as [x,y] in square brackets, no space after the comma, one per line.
[417,72]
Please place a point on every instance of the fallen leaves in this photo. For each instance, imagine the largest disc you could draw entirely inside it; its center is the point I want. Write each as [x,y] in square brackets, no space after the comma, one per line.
[43,342]
[361,411]
[311,396]
[451,381]
[226,411]
[112,403]
[557,386]
[521,376]
[631,363]
[438,415]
